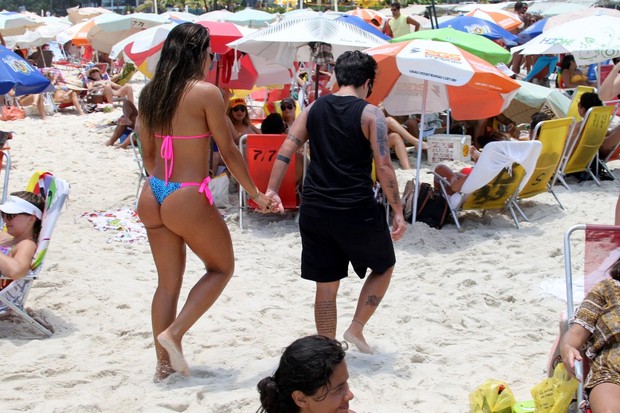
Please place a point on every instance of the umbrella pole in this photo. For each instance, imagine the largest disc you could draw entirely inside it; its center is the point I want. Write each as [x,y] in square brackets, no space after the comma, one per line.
[419,160]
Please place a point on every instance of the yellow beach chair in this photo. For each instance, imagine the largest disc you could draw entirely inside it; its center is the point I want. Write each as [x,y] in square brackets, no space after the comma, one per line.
[580,154]
[553,135]
[501,172]
[13,296]
[573,109]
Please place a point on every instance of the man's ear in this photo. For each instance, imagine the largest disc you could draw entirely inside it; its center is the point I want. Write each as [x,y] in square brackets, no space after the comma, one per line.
[300,398]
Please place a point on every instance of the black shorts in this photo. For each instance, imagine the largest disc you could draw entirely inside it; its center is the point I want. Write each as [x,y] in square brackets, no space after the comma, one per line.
[332,239]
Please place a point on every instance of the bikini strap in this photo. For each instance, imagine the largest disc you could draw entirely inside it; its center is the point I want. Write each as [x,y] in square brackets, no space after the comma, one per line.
[167,154]
[204,189]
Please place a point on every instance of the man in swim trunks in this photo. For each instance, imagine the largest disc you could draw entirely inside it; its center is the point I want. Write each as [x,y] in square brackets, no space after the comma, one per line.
[340,221]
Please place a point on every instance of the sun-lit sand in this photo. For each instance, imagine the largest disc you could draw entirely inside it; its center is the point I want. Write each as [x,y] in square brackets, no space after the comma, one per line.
[463,307]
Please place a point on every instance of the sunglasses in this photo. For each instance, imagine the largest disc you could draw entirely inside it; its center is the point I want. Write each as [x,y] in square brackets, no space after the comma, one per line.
[286,107]
[239,109]
[9,217]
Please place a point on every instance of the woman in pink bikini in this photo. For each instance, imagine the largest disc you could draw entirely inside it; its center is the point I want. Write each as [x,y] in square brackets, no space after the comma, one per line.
[179,114]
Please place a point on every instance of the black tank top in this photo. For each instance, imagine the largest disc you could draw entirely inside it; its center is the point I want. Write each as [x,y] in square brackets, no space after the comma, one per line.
[339,175]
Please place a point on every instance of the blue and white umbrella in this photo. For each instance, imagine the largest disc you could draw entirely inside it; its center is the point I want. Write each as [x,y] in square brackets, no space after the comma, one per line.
[15,72]
[475,25]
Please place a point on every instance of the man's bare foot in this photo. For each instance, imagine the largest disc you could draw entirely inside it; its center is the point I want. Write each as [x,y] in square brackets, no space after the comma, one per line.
[177,361]
[359,342]
[162,371]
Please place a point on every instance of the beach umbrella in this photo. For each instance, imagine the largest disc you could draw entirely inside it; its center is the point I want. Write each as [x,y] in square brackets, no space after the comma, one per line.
[179,16]
[549,9]
[422,76]
[81,14]
[15,72]
[76,34]
[12,23]
[475,25]
[505,19]
[370,28]
[109,29]
[532,31]
[600,42]
[368,15]
[45,33]
[532,98]
[290,40]
[477,45]
[214,16]
[560,19]
[251,18]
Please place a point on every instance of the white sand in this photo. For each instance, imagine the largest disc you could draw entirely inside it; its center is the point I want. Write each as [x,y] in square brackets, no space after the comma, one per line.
[462,307]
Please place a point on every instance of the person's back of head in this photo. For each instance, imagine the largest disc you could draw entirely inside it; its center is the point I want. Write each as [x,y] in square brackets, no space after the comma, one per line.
[537,118]
[566,61]
[273,124]
[354,68]
[519,6]
[306,366]
[589,100]
[492,136]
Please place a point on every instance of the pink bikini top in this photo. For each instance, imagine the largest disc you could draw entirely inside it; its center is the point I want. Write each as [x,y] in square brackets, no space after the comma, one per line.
[167,151]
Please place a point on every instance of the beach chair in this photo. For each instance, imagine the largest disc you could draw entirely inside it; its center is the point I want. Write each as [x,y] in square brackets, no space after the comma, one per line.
[553,135]
[501,172]
[136,148]
[581,152]
[573,108]
[259,152]
[13,297]
[601,249]
[5,165]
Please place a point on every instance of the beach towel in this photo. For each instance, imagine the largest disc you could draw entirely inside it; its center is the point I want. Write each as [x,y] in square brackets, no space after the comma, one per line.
[123,223]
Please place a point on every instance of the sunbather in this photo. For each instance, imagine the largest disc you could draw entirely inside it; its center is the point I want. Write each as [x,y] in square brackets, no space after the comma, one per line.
[22,213]
[63,92]
[107,88]
[312,377]
[240,118]
[124,126]
[596,325]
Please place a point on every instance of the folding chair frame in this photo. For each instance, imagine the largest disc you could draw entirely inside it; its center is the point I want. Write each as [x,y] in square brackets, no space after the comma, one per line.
[137,157]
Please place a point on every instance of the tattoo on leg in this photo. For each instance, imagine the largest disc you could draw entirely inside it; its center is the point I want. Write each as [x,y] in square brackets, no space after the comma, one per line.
[373,300]
[294,139]
[325,318]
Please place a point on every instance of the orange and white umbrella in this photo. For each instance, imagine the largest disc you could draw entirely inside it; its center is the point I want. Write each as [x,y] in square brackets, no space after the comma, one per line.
[422,76]
[505,19]
[368,15]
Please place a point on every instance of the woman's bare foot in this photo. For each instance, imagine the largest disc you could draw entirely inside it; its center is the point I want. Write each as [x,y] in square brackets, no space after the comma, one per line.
[162,371]
[177,361]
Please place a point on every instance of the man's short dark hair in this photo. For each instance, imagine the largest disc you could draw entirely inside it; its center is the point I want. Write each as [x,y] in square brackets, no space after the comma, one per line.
[520,5]
[589,100]
[395,5]
[353,68]
[537,118]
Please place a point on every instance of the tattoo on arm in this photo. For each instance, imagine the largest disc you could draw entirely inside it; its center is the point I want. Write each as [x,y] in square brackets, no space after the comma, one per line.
[295,140]
[382,139]
[283,159]
[373,300]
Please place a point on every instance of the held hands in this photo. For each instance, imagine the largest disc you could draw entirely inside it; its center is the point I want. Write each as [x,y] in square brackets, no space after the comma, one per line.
[263,201]
[276,202]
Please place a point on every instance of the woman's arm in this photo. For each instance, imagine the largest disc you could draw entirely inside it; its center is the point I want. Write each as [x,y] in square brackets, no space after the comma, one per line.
[610,89]
[147,143]
[18,263]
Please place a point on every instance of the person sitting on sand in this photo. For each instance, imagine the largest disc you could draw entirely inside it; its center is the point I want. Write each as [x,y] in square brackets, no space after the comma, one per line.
[109,90]
[21,213]
[312,377]
[124,126]
[596,325]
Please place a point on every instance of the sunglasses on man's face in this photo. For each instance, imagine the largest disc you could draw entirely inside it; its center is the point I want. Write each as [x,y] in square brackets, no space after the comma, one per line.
[286,107]
[239,109]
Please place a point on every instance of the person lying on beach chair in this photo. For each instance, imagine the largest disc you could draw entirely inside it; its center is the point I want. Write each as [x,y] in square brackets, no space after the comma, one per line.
[64,94]
[110,90]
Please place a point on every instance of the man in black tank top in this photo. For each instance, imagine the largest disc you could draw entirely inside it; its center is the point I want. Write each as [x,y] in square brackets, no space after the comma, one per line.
[340,222]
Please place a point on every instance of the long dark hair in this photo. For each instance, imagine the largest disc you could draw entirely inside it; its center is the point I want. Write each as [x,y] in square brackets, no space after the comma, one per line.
[181,64]
[306,365]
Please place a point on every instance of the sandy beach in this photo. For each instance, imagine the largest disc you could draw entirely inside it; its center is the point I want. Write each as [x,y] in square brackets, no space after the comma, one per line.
[463,307]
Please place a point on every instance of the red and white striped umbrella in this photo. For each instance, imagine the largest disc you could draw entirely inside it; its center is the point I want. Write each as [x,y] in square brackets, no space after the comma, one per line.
[504,19]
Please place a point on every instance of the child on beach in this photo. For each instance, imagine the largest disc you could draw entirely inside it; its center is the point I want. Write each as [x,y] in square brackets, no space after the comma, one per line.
[21,214]
[312,377]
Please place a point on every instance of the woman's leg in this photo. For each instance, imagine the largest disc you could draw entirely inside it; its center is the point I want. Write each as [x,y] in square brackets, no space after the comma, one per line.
[168,252]
[188,214]
[76,102]
[396,142]
[610,142]
[604,398]
[124,91]
[118,132]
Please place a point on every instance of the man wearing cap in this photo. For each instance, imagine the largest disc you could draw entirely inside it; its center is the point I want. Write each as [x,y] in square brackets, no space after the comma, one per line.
[398,25]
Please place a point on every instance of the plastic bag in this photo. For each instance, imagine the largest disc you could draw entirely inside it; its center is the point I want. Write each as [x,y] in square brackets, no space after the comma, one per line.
[493,396]
[554,394]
